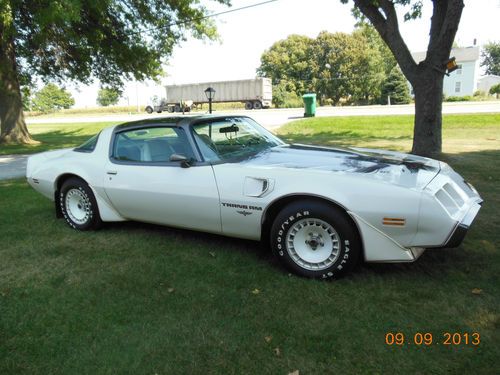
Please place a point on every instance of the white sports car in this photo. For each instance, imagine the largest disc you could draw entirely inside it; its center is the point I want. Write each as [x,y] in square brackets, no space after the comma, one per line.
[320,209]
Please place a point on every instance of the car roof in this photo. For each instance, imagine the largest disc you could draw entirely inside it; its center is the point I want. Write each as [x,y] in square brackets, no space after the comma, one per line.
[171,120]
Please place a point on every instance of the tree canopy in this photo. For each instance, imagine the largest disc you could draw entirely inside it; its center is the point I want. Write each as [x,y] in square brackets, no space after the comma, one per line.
[51,98]
[108,96]
[396,88]
[490,58]
[84,40]
[334,65]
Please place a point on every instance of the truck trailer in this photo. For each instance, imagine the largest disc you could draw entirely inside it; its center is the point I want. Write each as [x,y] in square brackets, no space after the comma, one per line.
[254,93]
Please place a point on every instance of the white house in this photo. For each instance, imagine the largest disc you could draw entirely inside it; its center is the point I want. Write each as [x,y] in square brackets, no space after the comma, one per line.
[485,83]
[462,81]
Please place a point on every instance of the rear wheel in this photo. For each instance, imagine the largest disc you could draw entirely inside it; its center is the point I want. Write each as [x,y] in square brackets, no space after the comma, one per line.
[78,205]
[248,105]
[149,109]
[316,240]
[257,105]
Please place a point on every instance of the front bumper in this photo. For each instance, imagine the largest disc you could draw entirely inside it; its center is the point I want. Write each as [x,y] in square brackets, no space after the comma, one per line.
[461,229]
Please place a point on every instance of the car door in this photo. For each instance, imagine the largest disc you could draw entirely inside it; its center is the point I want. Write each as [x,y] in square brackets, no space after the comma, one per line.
[144,185]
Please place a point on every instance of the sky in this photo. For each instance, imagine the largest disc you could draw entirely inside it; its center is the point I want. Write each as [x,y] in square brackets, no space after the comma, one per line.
[246,34]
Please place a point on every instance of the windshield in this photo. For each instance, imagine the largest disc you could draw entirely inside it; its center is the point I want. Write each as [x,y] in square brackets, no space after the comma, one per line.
[232,138]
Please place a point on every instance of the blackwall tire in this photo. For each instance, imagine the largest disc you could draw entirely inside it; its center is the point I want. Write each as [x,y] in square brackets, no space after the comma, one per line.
[257,105]
[149,110]
[315,240]
[248,106]
[78,205]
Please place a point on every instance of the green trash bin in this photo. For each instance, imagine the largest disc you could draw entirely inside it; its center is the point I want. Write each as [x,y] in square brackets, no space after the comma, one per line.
[309,104]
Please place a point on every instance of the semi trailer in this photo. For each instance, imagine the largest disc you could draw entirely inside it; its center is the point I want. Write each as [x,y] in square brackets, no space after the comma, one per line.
[254,93]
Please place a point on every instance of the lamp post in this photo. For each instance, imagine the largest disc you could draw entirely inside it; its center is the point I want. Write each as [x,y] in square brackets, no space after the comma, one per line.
[210,93]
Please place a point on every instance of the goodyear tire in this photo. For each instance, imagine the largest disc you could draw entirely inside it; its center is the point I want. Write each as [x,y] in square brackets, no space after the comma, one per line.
[78,205]
[315,240]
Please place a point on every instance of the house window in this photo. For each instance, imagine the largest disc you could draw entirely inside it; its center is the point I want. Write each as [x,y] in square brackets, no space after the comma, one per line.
[459,69]
[458,86]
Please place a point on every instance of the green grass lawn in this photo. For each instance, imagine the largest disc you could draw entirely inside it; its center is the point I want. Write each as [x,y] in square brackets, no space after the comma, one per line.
[52,136]
[142,299]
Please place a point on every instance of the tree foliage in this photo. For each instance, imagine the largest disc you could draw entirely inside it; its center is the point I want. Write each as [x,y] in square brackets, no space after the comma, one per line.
[495,89]
[288,63]
[396,87]
[108,96]
[51,98]
[82,40]
[347,67]
[335,66]
[490,58]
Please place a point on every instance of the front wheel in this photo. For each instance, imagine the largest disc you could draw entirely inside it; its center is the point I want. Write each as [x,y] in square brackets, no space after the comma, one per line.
[315,240]
[78,205]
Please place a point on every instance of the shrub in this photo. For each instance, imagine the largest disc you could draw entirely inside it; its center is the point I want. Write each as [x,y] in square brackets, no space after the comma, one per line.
[395,86]
[466,98]
[495,90]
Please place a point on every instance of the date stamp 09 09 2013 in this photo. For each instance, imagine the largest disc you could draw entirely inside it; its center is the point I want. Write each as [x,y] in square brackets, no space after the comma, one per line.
[428,339]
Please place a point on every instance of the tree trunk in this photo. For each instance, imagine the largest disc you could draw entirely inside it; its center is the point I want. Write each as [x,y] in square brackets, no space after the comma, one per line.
[427,131]
[12,124]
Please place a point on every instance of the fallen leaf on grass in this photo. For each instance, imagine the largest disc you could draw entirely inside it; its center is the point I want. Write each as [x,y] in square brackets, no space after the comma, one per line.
[296,372]
[268,338]
[255,291]
[477,291]
[277,351]
[170,290]
[212,254]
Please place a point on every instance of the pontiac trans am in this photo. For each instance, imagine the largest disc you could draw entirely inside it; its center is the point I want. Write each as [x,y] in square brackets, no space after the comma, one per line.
[320,209]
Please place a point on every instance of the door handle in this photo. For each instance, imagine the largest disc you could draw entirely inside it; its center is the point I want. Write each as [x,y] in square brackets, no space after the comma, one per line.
[112,172]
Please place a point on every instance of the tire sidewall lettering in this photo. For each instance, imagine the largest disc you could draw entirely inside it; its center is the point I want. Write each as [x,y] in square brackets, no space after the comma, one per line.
[284,228]
[348,243]
[88,202]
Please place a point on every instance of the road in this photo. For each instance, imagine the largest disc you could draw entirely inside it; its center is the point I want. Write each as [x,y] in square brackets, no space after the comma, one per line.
[12,166]
[274,118]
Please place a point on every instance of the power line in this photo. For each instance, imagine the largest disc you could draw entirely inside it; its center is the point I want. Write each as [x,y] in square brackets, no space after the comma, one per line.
[211,15]
[233,10]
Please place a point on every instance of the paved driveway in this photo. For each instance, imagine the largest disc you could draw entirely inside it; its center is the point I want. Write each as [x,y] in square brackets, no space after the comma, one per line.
[12,166]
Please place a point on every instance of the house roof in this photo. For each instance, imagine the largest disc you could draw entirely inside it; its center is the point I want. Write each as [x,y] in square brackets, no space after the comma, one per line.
[489,77]
[461,54]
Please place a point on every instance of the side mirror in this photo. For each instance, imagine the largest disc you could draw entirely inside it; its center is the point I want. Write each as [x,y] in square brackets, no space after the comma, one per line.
[184,161]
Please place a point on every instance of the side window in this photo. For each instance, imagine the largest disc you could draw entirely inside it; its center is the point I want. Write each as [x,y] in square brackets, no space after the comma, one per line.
[88,146]
[151,145]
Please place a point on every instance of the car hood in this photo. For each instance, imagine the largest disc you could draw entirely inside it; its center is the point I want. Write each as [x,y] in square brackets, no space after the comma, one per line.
[393,167]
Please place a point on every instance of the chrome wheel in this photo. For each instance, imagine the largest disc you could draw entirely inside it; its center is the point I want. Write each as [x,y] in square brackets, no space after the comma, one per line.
[77,206]
[313,244]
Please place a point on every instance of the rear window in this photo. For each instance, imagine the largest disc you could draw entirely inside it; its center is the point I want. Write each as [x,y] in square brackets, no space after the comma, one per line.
[89,145]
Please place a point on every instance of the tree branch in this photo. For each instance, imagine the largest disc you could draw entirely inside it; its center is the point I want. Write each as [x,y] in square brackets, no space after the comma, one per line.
[387,26]
[437,19]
